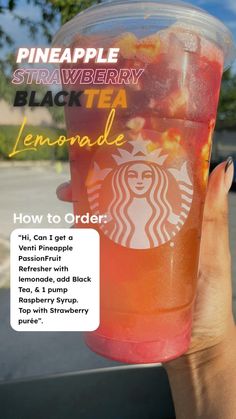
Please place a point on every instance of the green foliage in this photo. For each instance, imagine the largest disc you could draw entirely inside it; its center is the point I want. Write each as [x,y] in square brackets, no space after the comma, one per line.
[67,9]
[227,105]
[8,91]
[51,11]
[8,135]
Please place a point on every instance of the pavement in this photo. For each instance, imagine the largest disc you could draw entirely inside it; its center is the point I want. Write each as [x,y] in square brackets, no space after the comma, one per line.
[26,189]
[31,190]
[27,355]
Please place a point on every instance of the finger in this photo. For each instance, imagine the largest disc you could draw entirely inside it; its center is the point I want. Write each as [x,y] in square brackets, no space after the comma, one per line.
[64,192]
[215,253]
[220,183]
[216,203]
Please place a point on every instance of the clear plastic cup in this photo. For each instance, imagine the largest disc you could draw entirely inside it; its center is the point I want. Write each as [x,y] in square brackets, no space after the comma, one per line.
[152,189]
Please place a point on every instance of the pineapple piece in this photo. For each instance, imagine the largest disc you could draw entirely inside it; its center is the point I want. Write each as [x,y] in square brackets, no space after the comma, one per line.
[171,140]
[148,48]
[177,101]
[205,153]
[136,124]
[127,44]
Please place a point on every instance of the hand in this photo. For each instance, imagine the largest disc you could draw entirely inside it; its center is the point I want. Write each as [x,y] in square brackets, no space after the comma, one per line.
[213,315]
[203,381]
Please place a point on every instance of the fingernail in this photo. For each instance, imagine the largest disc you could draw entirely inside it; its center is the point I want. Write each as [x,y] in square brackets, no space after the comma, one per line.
[229,173]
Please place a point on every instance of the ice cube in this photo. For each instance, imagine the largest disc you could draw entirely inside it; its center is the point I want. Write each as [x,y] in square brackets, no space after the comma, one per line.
[211,51]
[190,41]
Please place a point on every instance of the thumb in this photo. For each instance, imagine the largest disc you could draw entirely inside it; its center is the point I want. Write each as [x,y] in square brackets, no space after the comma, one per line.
[64,192]
[219,185]
[215,239]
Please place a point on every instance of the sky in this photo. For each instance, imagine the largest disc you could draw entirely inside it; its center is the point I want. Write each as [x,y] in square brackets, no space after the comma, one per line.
[19,33]
[223,9]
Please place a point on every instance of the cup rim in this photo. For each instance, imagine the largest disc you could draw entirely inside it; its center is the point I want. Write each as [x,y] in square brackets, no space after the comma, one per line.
[188,16]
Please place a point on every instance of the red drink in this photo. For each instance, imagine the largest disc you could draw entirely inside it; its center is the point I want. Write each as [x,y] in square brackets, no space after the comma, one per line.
[151,189]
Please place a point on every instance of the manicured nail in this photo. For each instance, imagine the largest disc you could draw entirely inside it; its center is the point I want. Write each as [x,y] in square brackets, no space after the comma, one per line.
[229,173]
[229,161]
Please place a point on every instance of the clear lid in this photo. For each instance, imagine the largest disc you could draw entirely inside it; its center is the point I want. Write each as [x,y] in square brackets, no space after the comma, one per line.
[166,13]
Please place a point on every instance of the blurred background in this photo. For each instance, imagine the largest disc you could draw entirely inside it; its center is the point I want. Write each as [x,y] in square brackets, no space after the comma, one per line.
[30,180]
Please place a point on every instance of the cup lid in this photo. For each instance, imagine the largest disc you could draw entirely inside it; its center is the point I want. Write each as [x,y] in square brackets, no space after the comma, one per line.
[167,12]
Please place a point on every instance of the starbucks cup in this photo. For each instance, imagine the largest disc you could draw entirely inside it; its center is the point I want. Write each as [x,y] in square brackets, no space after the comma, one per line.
[144,184]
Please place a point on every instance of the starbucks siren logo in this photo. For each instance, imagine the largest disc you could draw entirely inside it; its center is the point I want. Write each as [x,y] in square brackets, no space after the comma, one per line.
[148,202]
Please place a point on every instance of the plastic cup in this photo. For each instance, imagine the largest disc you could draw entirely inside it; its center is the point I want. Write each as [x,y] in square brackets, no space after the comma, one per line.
[151,189]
